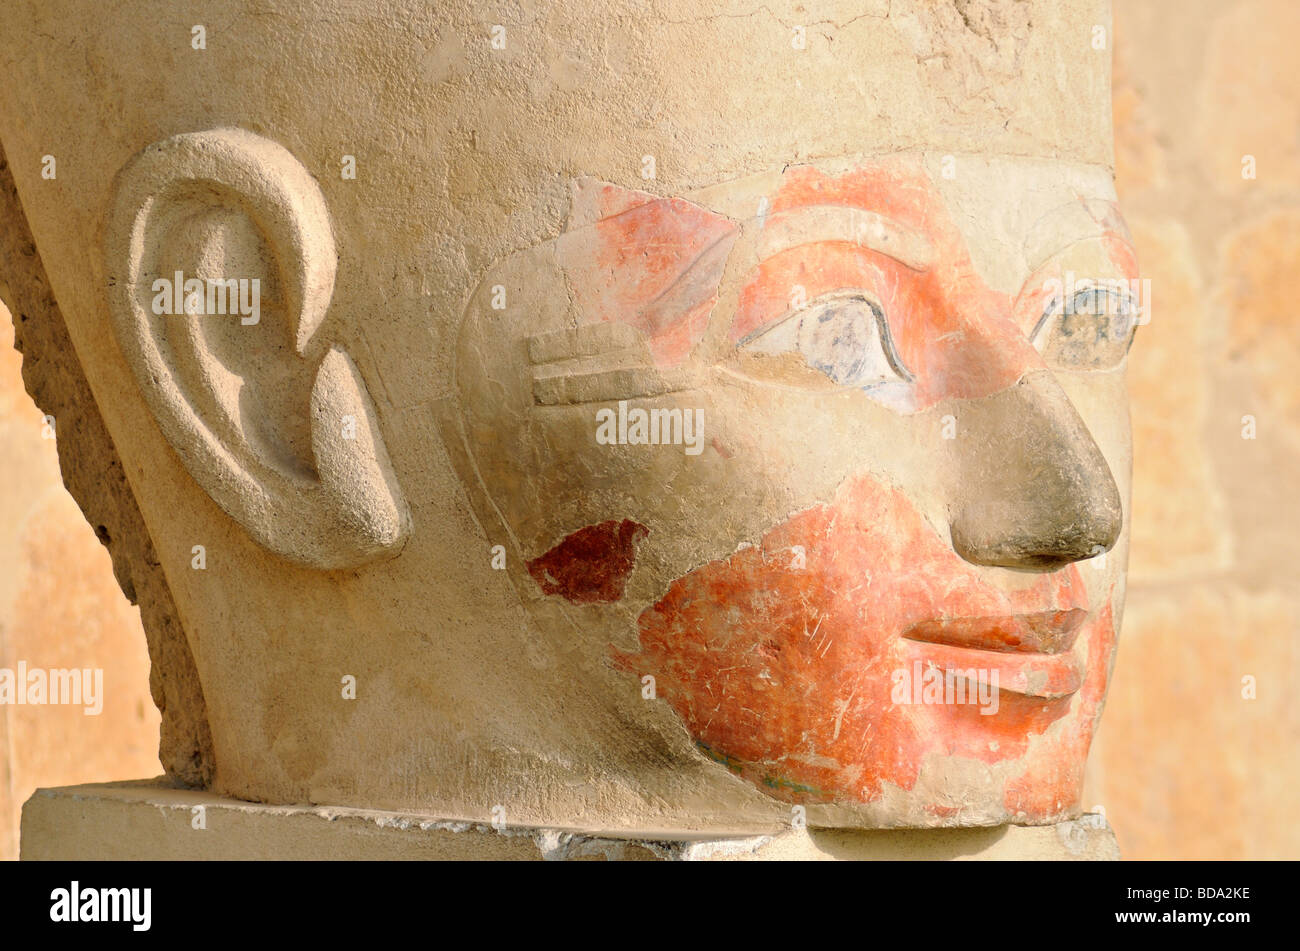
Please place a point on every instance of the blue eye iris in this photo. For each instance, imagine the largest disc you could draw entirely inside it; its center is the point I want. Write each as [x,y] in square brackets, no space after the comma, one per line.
[838,339]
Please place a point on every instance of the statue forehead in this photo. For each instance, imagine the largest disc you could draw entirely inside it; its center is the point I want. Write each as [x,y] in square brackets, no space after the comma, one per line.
[729,79]
[1015,213]
[1012,213]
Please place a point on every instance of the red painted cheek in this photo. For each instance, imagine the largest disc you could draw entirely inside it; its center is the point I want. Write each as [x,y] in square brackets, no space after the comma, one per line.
[592,565]
[780,659]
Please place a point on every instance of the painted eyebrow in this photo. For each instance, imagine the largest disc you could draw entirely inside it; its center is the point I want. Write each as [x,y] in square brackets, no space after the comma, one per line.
[811,224]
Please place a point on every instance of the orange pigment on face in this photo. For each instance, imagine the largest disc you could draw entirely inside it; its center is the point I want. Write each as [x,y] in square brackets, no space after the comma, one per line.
[782,666]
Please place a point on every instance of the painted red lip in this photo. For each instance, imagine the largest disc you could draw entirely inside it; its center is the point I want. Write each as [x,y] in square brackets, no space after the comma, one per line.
[1030,653]
[1044,632]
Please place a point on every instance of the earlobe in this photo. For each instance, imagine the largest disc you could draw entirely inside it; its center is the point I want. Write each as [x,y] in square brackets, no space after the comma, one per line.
[270,417]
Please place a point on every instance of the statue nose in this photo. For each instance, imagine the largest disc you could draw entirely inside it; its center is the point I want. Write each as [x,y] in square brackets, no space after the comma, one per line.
[1033,490]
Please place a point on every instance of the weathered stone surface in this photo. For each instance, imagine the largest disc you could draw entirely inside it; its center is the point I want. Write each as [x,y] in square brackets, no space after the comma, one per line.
[149,821]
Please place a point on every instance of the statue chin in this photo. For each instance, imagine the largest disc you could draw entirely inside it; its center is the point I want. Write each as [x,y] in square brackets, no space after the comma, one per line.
[711,434]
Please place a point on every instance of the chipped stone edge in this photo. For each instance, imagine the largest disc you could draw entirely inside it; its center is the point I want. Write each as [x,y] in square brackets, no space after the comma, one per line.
[94,476]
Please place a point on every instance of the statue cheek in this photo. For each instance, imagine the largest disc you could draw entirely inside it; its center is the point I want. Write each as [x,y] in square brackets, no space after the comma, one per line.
[785,661]
[779,658]
[1053,779]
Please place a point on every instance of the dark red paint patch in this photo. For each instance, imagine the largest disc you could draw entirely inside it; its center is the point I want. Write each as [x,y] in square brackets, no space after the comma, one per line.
[591,565]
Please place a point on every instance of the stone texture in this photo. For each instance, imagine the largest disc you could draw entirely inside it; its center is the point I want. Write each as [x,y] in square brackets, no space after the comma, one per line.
[148,820]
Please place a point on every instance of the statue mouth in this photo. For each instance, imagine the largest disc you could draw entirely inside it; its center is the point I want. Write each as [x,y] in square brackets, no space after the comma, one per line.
[1041,676]
[1037,632]
[1028,654]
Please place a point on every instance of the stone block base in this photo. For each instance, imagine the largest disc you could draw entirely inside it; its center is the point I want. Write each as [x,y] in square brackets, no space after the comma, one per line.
[148,819]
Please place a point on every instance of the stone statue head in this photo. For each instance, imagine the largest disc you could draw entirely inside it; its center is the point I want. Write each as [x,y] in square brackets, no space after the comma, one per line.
[651,421]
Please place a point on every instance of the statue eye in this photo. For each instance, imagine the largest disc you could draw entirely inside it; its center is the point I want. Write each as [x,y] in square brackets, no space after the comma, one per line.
[846,337]
[1091,328]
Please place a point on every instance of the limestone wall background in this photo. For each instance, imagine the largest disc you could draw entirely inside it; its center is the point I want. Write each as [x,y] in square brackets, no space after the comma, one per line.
[1184,765]
[60,607]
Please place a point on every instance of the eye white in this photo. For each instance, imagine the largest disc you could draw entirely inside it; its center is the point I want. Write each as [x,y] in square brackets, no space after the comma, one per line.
[1091,327]
[840,336]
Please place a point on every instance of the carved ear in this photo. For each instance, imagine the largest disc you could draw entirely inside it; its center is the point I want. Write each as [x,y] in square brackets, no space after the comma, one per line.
[221,267]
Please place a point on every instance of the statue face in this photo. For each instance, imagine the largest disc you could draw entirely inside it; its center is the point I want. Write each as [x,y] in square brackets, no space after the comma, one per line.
[829,461]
